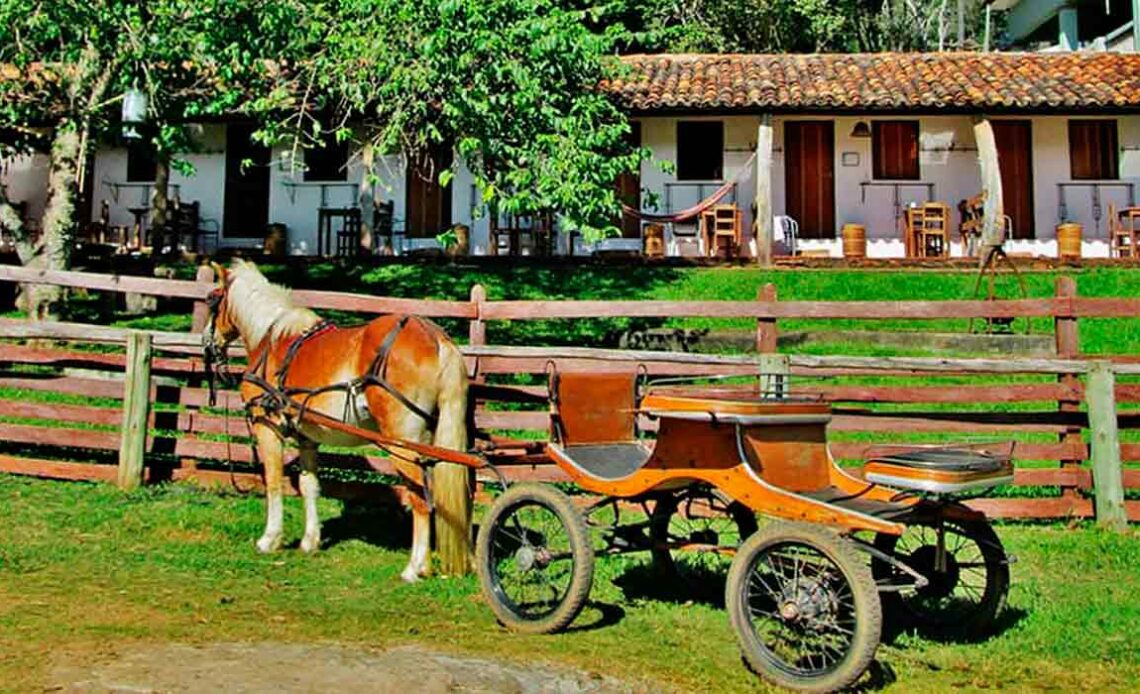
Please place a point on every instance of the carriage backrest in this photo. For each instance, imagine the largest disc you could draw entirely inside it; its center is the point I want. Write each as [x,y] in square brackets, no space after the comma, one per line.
[593,408]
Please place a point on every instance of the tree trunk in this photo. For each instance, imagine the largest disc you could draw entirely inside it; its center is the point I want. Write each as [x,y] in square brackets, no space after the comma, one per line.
[59,218]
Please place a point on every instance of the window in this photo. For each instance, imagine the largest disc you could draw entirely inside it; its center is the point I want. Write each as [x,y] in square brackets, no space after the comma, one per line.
[140,163]
[894,145]
[1093,150]
[700,151]
[327,162]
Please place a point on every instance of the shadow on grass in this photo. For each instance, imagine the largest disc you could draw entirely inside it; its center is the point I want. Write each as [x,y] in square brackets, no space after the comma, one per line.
[686,585]
[596,615]
[380,524]
[895,626]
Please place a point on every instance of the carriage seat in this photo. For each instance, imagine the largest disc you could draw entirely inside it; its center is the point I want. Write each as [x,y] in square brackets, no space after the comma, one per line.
[941,470]
[593,420]
[946,460]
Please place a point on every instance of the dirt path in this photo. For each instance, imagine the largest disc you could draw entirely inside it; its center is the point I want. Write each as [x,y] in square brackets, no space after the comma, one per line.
[266,667]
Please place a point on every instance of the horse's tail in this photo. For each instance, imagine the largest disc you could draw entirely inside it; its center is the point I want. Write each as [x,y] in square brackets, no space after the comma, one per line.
[452,485]
[451,406]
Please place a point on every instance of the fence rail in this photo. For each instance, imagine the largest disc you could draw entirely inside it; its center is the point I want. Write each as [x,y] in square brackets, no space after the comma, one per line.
[177,436]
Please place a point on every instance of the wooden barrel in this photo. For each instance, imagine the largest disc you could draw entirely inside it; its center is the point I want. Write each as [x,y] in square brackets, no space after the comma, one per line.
[1069,240]
[276,241]
[854,241]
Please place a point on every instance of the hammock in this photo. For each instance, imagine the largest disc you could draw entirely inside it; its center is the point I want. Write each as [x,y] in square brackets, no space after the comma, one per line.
[690,212]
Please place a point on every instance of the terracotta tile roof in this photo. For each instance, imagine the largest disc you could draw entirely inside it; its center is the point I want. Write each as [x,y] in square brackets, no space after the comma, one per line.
[990,82]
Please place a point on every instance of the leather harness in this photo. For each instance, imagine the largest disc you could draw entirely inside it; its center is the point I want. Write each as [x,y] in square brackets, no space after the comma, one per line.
[277,399]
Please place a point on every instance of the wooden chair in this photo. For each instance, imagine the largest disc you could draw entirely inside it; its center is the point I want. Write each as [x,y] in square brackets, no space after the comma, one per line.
[348,238]
[1122,232]
[384,226]
[933,230]
[970,228]
[723,230]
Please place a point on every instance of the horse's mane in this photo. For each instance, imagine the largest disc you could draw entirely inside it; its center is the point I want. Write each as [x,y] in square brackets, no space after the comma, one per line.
[259,308]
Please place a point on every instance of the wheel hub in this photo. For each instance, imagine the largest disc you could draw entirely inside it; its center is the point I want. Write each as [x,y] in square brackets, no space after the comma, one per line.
[525,558]
[942,583]
[704,537]
[807,600]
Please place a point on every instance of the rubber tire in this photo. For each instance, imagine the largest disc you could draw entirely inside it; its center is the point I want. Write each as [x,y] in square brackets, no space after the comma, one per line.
[580,548]
[868,610]
[980,622]
[663,510]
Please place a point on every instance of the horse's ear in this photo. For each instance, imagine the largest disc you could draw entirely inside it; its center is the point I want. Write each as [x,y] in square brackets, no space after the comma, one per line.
[220,272]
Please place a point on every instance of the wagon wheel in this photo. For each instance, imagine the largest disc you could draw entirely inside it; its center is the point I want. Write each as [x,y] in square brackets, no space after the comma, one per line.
[534,559]
[804,607]
[963,598]
[695,532]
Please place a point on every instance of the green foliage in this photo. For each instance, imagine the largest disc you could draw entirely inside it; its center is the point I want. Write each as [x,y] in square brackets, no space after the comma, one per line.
[510,85]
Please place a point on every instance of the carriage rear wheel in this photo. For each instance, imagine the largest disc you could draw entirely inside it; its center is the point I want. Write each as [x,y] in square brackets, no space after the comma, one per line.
[966,588]
[534,559]
[695,532]
[804,607]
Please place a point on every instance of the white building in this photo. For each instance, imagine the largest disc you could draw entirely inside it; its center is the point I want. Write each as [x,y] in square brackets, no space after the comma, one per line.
[855,139]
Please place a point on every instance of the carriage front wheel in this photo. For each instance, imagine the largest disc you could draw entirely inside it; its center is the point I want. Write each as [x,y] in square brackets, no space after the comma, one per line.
[534,559]
[804,607]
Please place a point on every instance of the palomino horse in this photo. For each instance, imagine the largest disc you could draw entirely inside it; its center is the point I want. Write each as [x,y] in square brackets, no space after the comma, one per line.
[398,375]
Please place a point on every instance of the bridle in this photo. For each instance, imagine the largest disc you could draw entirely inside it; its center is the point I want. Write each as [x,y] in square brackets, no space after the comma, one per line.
[215,358]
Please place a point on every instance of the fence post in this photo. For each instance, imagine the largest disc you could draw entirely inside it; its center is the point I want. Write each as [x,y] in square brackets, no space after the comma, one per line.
[136,410]
[1068,346]
[476,328]
[773,370]
[201,310]
[1108,478]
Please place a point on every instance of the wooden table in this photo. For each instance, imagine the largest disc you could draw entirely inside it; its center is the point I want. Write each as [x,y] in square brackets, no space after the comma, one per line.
[325,217]
[913,227]
[140,214]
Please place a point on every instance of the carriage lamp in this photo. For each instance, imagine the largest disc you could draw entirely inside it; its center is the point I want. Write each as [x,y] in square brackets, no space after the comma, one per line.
[861,129]
[134,112]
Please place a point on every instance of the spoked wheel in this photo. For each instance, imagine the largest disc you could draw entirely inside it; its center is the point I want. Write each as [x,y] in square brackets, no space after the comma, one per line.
[968,580]
[695,531]
[534,559]
[804,607]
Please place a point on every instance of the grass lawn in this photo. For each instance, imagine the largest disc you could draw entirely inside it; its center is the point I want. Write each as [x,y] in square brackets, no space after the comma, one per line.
[84,569]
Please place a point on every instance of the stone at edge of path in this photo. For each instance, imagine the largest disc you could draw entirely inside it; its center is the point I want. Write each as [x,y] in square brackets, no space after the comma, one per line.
[261,667]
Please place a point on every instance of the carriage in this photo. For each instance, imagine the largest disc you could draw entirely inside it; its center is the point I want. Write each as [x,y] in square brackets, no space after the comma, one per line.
[808,589]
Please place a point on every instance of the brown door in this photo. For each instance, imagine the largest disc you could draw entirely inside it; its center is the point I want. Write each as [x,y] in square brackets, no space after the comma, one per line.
[246,209]
[629,190]
[1015,157]
[429,204]
[809,176]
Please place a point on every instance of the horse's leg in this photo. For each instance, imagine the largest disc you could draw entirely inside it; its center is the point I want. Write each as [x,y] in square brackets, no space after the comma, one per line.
[421,537]
[270,450]
[310,491]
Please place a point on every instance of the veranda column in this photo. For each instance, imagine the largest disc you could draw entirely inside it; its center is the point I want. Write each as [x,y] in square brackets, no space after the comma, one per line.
[763,221]
[994,209]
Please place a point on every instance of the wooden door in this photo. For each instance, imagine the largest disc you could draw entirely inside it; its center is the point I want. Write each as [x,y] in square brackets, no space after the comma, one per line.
[245,213]
[809,176]
[429,204]
[629,190]
[1015,157]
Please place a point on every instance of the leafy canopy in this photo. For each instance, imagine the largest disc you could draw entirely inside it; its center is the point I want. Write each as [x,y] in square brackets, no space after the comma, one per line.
[511,85]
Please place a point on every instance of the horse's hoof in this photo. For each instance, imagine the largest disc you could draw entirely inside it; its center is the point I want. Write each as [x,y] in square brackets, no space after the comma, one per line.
[409,575]
[268,545]
[310,544]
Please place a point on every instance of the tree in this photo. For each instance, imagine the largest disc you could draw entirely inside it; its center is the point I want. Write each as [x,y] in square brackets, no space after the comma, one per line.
[66,62]
[511,85]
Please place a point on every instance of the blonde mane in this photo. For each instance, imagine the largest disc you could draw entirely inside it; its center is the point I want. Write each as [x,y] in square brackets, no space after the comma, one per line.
[261,309]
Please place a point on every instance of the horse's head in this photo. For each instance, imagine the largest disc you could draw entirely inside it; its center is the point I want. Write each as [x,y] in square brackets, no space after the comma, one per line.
[220,329]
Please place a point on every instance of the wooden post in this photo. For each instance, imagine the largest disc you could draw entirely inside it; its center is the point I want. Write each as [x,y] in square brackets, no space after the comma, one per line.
[1068,346]
[1108,478]
[773,370]
[136,410]
[763,221]
[201,314]
[477,328]
[993,209]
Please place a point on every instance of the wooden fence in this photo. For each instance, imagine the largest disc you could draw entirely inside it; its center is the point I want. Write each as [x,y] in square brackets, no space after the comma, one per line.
[97,414]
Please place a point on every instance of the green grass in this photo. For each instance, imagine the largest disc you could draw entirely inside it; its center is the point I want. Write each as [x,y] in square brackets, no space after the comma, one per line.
[84,568]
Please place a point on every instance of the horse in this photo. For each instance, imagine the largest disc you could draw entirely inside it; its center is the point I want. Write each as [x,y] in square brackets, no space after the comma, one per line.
[397,375]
